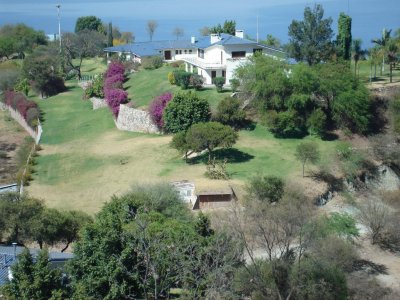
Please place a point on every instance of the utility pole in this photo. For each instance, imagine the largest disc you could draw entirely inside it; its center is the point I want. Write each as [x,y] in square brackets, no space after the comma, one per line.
[59,24]
[257,28]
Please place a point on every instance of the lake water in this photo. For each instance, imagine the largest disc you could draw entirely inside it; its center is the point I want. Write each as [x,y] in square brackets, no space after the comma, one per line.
[369,16]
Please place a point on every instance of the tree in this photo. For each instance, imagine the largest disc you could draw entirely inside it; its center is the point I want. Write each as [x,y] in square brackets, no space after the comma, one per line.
[151,28]
[230,113]
[7,46]
[210,135]
[205,31]
[307,152]
[374,57]
[357,53]
[272,41]
[89,23]
[33,280]
[392,55]
[128,37]
[110,35]
[178,32]
[344,38]
[185,109]
[265,188]
[42,68]
[83,44]
[228,27]
[179,143]
[310,39]
[382,43]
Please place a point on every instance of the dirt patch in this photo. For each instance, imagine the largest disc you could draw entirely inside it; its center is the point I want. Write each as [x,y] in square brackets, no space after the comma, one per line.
[11,138]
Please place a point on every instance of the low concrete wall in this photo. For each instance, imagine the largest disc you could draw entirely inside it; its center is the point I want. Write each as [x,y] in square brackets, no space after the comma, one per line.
[131,119]
[98,103]
[35,134]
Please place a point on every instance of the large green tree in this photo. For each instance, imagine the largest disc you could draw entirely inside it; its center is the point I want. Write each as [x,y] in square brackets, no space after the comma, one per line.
[344,38]
[146,242]
[210,135]
[311,39]
[185,109]
[228,27]
[382,42]
[91,23]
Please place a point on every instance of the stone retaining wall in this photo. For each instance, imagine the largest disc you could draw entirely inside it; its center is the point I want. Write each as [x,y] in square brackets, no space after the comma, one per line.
[98,103]
[35,134]
[135,120]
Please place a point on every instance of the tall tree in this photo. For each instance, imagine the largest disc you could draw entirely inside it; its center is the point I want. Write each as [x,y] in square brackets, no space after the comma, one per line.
[89,23]
[77,46]
[178,32]
[272,41]
[151,28]
[110,35]
[228,27]
[344,38]
[307,152]
[392,55]
[382,42]
[311,39]
[357,53]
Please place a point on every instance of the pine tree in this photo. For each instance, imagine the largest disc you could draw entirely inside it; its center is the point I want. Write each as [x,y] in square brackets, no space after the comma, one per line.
[344,38]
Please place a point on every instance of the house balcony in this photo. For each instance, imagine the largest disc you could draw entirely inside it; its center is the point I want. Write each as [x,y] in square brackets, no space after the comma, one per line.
[202,64]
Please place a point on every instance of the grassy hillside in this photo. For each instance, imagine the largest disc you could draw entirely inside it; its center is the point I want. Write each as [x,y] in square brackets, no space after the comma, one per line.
[85,159]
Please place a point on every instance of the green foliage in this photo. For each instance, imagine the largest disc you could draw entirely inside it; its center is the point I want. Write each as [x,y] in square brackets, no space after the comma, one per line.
[265,188]
[23,86]
[316,122]
[286,124]
[344,38]
[171,78]
[203,225]
[33,280]
[310,39]
[395,111]
[179,143]
[8,79]
[96,88]
[7,46]
[196,81]
[307,152]
[144,243]
[341,225]
[152,62]
[210,135]
[228,27]
[219,83]
[184,110]
[235,83]
[89,23]
[230,113]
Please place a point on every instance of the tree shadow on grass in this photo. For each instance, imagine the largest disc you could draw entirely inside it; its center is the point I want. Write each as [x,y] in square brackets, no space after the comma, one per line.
[369,267]
[233,155]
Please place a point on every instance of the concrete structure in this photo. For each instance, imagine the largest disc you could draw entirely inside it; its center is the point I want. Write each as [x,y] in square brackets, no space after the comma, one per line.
[186,190]
[9,188]
[217,55]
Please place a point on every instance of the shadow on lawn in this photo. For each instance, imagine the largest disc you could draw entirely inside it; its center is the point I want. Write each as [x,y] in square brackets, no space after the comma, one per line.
[233,155]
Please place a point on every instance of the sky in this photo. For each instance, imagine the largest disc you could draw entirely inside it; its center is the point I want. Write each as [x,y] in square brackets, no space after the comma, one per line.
[274,16]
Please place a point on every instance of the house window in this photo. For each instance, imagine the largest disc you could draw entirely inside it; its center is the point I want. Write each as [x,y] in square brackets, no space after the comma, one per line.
[200,53]
[190,51]
[185,51]
[180,51]
[238,54]
[176,51]
[223,73]
[257,51]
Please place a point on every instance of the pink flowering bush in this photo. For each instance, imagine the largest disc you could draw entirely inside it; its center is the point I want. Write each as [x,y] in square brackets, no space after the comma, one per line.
[20,103]
[115,68]
[115,97]
[114,82]
[157,106]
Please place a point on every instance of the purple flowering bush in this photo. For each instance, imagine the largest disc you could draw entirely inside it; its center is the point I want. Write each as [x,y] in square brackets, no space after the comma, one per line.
[113,86]
[115,97]
[157,106]
[115,68]
[114,82]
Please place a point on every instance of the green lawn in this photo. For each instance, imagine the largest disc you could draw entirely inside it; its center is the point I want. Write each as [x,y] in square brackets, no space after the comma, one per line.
[364,73]
[144,85]
[85,159]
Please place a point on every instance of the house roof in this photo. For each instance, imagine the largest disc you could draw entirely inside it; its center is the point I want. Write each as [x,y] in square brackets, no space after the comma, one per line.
[7,258]
[225,39]
[150,48]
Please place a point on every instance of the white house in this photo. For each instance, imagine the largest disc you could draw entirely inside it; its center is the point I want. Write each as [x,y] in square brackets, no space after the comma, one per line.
[217,55]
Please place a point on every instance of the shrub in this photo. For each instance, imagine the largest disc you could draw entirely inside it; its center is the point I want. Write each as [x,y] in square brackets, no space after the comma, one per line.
[32,116]
[53,86]
[115,68]
[235,83]
[114,98]
[265,188]
[157,106]
[177,64]
[114,82]
[229,113]
[152,62]
[196,81]
[184,110]
[8,79]
[171,78]
[22,86]
[316,122]
[28,109]
[286,124]
[182,79]
[219,83]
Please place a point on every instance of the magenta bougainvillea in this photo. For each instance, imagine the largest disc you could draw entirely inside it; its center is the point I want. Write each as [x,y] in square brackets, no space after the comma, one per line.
[157,106]
[114,81]
[115,68]
[19,102]
[114,98]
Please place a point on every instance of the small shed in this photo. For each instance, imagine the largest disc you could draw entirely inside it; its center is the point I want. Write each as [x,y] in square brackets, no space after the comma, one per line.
[215,199]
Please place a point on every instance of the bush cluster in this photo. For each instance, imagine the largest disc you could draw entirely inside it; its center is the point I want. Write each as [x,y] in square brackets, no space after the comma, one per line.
[96,88]
[157,106]
[185,79]
[152,62]
[28,109]
[219,83]
[113,89]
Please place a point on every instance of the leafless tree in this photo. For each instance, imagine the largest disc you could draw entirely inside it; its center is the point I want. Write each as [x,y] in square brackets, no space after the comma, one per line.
[151,28]
[178,32]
